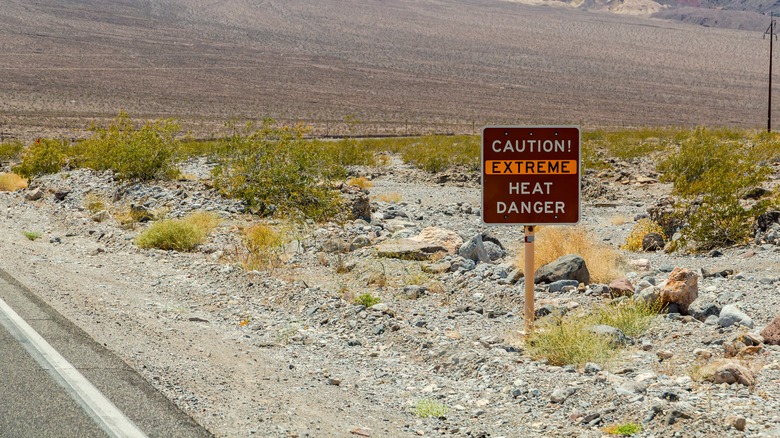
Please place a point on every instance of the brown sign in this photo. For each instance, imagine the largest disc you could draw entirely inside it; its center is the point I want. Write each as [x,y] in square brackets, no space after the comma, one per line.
[531,175]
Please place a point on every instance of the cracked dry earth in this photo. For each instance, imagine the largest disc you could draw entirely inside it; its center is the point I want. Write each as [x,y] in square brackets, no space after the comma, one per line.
[286,352]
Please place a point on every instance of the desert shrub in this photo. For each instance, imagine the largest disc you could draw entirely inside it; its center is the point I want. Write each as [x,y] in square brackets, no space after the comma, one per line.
[367,299]
[144,153]
[44,156]
[263,245]
[626,429]
[10,182]
[436,153]
[713,170]
[603,262]
[427,408]
[568,339]
[11,150]
[632,317]
[638,233]
[31,235]
[275,169]
[345,152]
[177,234]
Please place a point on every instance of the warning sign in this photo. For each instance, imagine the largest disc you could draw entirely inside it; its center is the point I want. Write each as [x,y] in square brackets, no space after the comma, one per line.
[531,175]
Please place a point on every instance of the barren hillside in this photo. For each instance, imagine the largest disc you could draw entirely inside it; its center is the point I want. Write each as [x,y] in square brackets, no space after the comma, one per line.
[472,61]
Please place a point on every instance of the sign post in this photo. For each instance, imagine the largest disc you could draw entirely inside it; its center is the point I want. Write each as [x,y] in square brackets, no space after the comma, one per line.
[530,176]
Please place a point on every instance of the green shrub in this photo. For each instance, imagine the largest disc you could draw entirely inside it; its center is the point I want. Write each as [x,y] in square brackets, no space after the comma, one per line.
[44,156]
[367,300]
[31,235]
[177,234]
[144,153]
[627,429]
[632,317]
[427,408]
[276,169]
[11,150]
[568,339]
[712,170]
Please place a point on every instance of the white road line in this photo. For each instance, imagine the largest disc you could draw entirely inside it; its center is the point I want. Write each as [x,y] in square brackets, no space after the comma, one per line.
[94,403]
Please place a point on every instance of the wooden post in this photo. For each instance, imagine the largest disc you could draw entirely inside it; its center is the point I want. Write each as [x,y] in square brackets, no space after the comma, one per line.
[528,273]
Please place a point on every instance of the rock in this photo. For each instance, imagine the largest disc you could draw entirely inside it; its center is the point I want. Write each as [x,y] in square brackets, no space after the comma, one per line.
[561,394]
[731,315]
[408,249]
[474,249]
[640,264]
[737,422]
[436,268]
[731,372]
[648,296]
[703,307]
[617,335]
[702,354]
[448,239]
[359,242]
[412,292]
[718,271]
[681,288]
[34,194]
[771,333]
[61,193]
[621,287]
[359,204]
[714,253]
[664,354]
[568,267]
[494,252]
[100,216]
[557,286]
[547,309]
[653,242]
[592,368]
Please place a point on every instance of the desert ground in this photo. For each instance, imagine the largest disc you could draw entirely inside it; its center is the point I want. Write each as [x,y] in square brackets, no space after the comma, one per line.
[286,351]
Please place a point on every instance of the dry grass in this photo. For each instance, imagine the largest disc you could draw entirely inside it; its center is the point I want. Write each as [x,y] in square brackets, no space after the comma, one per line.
[362,182]
[95,203]
[178,234]
[604,263]
[638,233]
[568,339]
[263,245]
[11,182]
[392,197]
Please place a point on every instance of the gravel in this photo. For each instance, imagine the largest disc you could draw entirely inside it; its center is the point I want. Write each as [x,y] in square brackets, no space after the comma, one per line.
[287,352]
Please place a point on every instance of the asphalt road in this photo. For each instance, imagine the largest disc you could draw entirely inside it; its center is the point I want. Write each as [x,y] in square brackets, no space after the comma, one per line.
[34,401]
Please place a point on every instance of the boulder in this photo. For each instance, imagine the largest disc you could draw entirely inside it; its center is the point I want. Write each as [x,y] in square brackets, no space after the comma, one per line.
[448,239]
[568,267]
[771,333]
[653,242]
[474,249]
[702,307]
[732,372]
[682,288]
[731,315]
[621,287]
[408,249]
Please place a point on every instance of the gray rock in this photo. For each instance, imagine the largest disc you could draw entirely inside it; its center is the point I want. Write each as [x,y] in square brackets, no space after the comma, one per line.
[557,286]
[561,394]
[568,267]
[647,296]
[592,368]
[494,252]
[34,194]
[716,271]
[731,315]
[412,292]
[702,307]
[359,242]
[474,249]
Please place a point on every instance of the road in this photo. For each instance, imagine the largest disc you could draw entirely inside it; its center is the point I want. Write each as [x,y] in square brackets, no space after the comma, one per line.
[67,385]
